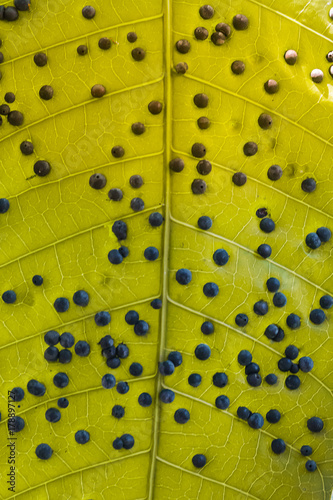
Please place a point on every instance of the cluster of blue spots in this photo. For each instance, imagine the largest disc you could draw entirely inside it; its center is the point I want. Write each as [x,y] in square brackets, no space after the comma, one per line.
[126,441]
[66,340]
[252,370]
[174,360]
[274,332]
[113,354]
[314,240]
[61,304]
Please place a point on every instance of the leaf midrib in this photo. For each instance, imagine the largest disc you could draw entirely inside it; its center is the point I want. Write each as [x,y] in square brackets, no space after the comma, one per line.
[166,235]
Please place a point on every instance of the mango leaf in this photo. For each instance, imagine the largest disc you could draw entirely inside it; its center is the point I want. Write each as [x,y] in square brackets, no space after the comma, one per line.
[58,227]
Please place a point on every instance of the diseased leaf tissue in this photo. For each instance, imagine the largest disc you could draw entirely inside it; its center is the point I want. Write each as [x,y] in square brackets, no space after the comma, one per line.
[165,259]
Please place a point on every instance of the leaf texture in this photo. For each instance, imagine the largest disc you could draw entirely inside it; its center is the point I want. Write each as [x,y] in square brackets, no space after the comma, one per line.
[59,227]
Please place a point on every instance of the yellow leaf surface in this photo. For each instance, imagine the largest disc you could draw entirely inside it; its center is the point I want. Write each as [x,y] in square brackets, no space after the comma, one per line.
[59,227]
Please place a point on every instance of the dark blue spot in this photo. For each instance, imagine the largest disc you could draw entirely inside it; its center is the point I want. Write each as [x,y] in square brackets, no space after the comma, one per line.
[244,357]
[291,352]
[205,222]
[118,411]
[51,354]
[256,421]
[305,364]
[222,402]
[67,340]
[220,379]
[115,257]
[37,280]
[108,381]
[211,289]
[36,388]
[279,299]
[175,357]
[44,451]
[4,205]
[155,219]
[194,379]
[9,297]
[82,348]
[317,316]
[278,446]
[273,416]
[199,461]
[241,320]
[167,396]
[132,317]
[182,416]
[61,304]
[207,328]
[128,441]
[53,415]
[63,402]
[51,337]
[183,276]
[324,234]
[261,308]
[82,437]
[145,399]
[81,298]
[293,321]
[136,369]
[151,253]
[312,240]
[141,328]
[264,250]
[102,318]
[61,380]
[202,352]
[220,257]
[267,225]
[122,387]
[272,284]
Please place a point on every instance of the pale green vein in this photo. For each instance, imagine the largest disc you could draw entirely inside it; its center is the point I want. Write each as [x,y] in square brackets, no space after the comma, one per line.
[166,237]
[226,325]
[254,103]
[297,200]
[92,33]
[79,233]
[74,321]
[81,104]
[200,476]
[82,469]
[231,242]
[81,172]
[291,19]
